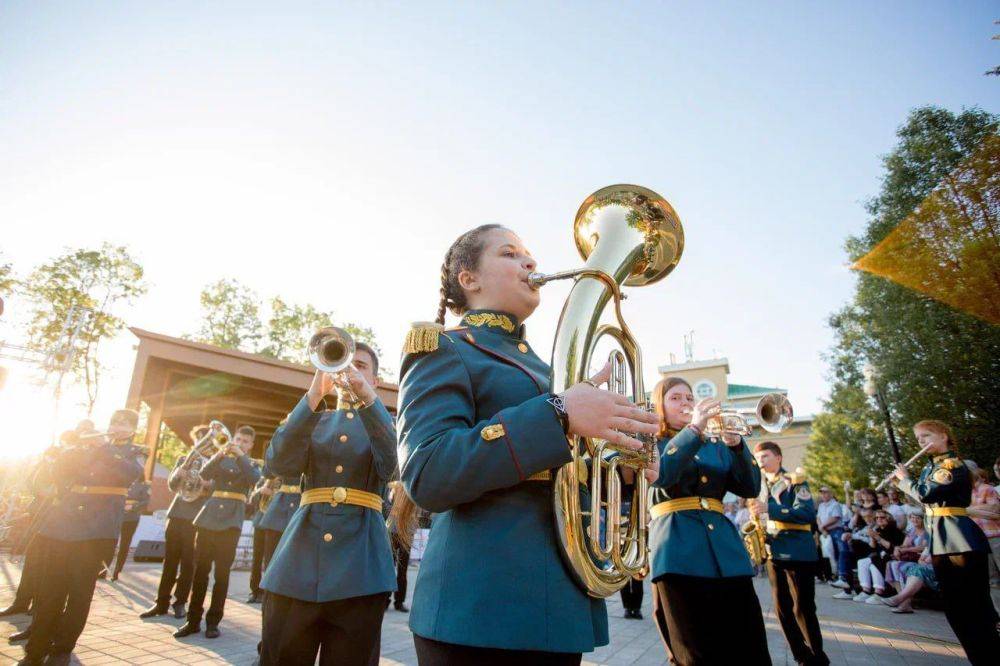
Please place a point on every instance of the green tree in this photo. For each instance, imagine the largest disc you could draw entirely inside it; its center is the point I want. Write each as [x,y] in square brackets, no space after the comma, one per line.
[935,361]
[7,279]
[90,282]
[231,316]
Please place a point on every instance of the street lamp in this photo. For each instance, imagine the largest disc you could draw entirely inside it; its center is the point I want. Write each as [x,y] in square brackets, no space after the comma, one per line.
[873,390]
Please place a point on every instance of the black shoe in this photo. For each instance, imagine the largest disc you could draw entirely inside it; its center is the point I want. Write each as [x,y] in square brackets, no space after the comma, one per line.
[180,612]
[187,630]
[254,598]
[637,614]
[401,608]
[156,609]
[20,636]
[13,610]
[61,659]
[114,577]
[211,631]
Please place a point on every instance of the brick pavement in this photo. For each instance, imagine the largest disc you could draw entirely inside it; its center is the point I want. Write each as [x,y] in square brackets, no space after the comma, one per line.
[854,633]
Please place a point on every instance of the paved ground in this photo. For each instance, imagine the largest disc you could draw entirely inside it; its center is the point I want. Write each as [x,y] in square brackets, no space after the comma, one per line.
[854,633]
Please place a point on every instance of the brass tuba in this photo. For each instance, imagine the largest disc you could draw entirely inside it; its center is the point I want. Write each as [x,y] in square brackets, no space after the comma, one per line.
[627,235]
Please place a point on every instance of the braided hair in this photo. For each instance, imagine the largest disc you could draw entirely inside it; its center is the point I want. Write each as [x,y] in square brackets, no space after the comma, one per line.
[463,255]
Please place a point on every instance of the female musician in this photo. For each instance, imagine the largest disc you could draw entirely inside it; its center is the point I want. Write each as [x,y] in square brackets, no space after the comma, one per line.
[699,562]
[479,433]
[959,549]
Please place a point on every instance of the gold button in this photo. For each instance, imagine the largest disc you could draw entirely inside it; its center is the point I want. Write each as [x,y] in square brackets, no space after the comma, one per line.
[696,457]
[671,450]
[328,537]
[523,348]
[79,508]
[711,526]
[340,468]
[350,415]
[222,506]
[704,479]
[343,438]
[784,511]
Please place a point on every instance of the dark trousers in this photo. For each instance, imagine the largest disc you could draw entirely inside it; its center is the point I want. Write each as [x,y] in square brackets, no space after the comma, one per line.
[257,565]
[632,594]
[401,554]
[179,549]
[687,610]
[345,631]
[218,549]
[62,602]
[124,541]
[271,539]
[436,653]
[29,574]
[965,584]
[793,588]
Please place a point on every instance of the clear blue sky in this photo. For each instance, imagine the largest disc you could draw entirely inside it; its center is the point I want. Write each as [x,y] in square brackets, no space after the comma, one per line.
[330,152]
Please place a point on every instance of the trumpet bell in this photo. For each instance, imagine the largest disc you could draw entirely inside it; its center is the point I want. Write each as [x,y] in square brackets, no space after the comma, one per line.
[331,349]
[774,412]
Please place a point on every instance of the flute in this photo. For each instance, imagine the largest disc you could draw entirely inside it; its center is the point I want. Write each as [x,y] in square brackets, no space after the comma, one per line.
[906,464]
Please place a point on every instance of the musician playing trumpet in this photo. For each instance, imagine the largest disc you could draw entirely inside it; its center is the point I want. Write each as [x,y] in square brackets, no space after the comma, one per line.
[699,563]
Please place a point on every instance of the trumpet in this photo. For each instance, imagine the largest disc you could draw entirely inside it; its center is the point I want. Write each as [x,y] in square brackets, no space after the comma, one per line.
[331,349]
[906,464]
[773,412]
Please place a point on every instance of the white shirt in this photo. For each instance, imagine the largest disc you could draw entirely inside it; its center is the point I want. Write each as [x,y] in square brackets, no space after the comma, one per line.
[827,510]
[899,514]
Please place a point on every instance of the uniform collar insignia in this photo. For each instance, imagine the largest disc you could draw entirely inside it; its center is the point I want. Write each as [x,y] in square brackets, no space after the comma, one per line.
[491,320]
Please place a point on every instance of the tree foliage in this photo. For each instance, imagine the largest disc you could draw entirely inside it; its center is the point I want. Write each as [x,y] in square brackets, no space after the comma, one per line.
[935,361]
[99,281]
[232,319]
[230,316]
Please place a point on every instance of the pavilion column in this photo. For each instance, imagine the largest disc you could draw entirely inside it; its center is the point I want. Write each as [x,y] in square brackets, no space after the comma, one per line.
[153,426]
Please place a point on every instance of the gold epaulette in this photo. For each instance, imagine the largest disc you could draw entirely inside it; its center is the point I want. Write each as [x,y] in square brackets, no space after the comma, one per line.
[423,336]
[952,463]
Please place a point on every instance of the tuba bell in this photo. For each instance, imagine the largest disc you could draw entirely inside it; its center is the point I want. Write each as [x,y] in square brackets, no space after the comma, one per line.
[627,235]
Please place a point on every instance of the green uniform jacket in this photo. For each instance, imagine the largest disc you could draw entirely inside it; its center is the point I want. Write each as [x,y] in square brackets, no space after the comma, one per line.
[233,474]
[946,481]
[76,516]
[700,542]
[474,424]
[789,501]
[333,552]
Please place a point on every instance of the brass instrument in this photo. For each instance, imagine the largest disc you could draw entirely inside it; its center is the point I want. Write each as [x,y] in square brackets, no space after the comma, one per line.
[627,235]
[755,540]
[216,436]
[265,500]
[331,349]
[773,413]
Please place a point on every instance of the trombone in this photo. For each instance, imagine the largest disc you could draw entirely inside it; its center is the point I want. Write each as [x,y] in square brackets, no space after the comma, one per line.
[331,349]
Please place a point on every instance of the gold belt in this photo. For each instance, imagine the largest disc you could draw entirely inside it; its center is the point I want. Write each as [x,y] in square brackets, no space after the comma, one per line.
[222,494]
[779,525]
[946,511]
[544,475]
[289,489]
[98,490]
[339,495]
[686,504]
